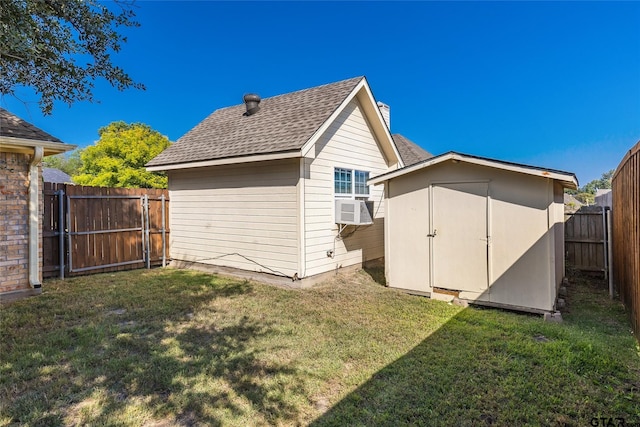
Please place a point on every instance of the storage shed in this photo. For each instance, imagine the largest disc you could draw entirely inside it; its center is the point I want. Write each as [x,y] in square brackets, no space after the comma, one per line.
[482,230]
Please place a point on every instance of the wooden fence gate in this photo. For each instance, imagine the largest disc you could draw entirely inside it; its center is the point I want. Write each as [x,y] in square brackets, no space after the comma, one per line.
[93,230]
[586,239]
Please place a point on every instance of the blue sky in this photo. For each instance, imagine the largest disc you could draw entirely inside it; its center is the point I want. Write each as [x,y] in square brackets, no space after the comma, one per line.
[544,83]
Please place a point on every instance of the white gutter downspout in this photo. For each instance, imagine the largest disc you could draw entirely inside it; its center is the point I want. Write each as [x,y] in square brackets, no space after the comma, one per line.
[34,218]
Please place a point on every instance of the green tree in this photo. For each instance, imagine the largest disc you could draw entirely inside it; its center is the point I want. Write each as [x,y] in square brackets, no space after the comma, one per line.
[599,184]
[60,47]
[69,163]
[587,193]
[117,159]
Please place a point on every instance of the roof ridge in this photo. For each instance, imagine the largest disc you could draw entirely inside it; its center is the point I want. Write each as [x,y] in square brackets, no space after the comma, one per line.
[296,92]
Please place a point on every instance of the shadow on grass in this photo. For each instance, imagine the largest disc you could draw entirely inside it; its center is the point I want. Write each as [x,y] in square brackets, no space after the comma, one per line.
[376,271]
[145,348]
[493,367]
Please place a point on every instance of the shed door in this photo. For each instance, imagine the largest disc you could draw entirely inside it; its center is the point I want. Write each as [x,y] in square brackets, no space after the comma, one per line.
[459,230]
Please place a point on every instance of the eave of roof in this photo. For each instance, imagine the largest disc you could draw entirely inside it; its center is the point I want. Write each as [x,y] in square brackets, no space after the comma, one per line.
[228,161]
[21,145]
[567,179]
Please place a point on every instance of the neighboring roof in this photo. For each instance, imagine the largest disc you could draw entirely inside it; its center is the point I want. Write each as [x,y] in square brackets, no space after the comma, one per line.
[14,127]
[410,152]
[569,198]
[571,204]
[567,179]
[283,123]
[56,176]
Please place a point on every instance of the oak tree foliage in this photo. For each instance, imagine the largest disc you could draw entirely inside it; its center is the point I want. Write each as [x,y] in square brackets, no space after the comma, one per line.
[117,159]
[59,48]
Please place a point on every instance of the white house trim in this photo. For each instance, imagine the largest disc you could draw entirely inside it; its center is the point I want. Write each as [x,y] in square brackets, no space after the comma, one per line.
[228,161]
[380,130]
[34,217]
[26,146]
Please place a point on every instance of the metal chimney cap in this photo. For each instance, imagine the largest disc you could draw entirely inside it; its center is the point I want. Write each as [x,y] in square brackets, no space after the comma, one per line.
[251,100]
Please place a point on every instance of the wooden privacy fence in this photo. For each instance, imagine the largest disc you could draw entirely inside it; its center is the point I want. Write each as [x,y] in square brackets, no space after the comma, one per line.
[626,233]
[586,239]
[92,229]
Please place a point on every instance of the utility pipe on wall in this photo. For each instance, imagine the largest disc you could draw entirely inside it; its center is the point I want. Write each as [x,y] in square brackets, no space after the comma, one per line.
[34,218]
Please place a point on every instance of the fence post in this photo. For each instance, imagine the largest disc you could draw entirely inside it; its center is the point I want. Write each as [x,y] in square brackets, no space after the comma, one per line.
[68,230]
[164,235]
[610,252]
[61,228]
[146,230]
[605,237]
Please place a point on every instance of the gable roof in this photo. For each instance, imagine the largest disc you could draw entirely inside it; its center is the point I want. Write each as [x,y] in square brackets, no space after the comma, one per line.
[55,175]
[283,123]
[567,179]
[14,127]
[410,152]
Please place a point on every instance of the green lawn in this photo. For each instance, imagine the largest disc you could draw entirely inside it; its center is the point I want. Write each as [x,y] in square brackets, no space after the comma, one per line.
[172,347]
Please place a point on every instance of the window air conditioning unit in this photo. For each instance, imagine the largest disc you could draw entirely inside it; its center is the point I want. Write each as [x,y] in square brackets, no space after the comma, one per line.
[354,212]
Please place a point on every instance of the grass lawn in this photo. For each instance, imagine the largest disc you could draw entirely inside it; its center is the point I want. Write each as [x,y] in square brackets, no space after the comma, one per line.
[173,347]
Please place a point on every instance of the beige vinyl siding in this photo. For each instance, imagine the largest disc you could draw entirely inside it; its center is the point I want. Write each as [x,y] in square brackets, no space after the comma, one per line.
[348,143]
[237,216]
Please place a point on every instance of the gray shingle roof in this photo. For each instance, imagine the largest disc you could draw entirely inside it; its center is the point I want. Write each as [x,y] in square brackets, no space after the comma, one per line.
[14,127]
[55,175]
[410,152]
[283,123]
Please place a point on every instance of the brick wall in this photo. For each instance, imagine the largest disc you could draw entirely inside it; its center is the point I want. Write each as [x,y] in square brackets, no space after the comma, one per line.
[14,222]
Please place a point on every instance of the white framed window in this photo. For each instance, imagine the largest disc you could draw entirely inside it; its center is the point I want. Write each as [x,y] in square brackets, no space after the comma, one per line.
[350,183]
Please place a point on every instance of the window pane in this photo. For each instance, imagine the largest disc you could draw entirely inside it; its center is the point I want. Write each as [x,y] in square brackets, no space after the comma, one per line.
[342,181]
[361,179]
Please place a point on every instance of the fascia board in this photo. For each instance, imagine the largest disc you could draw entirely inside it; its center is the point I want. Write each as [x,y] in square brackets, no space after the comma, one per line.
[226,161]
[360,90]
[386,134]
[23,145]
[567,180]
[308,146]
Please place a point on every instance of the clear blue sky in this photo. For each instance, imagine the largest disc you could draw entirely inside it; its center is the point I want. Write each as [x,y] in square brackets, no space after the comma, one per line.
[543,83]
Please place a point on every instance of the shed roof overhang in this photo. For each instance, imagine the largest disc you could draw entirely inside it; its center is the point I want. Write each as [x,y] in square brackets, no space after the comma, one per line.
[566,179]
[26,146]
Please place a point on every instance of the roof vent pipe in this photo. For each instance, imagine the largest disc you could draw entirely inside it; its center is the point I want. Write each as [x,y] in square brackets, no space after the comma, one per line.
[251,100]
